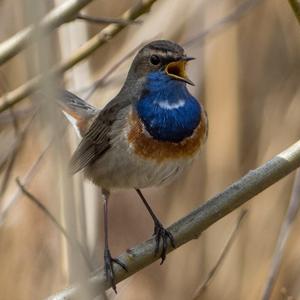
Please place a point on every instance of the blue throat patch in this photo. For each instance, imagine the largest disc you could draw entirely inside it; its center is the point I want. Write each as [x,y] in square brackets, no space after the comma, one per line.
[167,109]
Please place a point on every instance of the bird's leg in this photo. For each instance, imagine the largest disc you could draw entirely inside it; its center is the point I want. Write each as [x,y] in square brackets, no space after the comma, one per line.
[108,259]
[160,232]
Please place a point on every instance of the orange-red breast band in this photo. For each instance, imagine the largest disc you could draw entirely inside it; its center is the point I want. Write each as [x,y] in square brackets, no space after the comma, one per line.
[146,147]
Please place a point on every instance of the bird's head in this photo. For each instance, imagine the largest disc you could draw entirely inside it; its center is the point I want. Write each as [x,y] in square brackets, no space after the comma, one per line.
[161,57]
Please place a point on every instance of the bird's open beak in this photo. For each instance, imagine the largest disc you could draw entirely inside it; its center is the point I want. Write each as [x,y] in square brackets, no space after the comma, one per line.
[176,70]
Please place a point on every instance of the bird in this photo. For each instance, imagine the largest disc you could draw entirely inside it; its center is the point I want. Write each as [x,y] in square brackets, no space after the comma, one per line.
[150,132]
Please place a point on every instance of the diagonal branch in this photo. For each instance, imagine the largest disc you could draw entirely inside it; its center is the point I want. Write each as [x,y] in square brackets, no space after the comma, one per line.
[59,15]
[104,20]
[191,226]
[84,51]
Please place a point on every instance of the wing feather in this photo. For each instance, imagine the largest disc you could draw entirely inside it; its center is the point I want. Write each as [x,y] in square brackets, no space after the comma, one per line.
[97,139]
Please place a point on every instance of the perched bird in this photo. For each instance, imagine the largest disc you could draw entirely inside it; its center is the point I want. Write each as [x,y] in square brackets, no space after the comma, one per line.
[145,136]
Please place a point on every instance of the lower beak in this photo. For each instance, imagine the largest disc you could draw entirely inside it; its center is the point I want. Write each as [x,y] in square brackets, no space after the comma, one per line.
[176,70]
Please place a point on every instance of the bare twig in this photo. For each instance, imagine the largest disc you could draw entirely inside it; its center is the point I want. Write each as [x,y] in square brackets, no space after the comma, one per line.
[295,4]
[14,152]
[8,170]
[202,287]
[283,237]
[84,51]
[5,87]
[59,15]
[191,226]
[26,180]
[73,242]
[102,20]
[18,138]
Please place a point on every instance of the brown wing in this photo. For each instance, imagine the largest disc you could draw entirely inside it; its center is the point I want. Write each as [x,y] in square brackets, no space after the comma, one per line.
[97,139]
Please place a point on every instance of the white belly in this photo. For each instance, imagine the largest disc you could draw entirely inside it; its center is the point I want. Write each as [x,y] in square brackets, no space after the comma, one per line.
[120,167]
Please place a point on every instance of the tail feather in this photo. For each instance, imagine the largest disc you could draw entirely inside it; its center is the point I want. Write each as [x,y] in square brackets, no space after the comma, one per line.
[77,111]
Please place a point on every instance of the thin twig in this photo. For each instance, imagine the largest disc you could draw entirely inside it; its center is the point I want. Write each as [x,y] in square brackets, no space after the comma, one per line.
[191,226]
[6,87]
[73,242]
[84,51]
[295,4]
[283,237]
[18,139]
[203,286]
[26,180]
[102,20]
[14,152]
[59,15]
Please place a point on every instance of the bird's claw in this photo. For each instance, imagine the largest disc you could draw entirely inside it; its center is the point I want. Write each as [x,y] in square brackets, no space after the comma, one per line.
[163,234]
[109,268]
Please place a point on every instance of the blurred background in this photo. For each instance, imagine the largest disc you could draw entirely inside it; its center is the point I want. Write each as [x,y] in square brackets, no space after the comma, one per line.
[247,76]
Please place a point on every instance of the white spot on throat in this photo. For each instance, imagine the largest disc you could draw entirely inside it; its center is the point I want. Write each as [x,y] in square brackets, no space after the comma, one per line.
[170,105]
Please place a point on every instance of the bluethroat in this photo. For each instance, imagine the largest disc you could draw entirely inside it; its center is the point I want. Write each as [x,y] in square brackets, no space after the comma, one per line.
[145,136]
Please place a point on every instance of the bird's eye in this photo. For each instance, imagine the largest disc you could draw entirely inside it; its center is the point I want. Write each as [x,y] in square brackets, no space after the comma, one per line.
[155,60]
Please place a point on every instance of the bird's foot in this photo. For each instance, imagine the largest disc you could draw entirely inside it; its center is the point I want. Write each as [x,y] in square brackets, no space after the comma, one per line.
[109,268]
[162,234]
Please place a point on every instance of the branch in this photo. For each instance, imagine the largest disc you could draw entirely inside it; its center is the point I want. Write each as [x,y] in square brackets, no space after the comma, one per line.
[191,226]
[59,15]
[295,4]
[84,51]
[102,20]
[4,212]
[14,152]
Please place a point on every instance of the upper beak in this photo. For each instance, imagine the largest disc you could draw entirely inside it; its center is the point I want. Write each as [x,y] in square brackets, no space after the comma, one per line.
[176,69]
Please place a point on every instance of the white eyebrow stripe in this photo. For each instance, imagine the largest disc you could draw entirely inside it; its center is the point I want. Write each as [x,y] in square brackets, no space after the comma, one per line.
[170,105]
